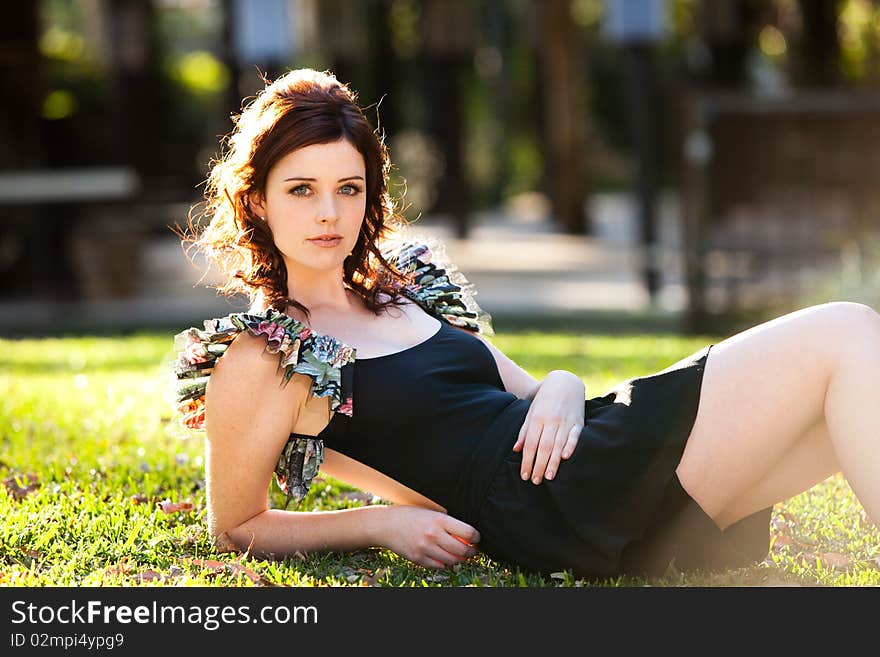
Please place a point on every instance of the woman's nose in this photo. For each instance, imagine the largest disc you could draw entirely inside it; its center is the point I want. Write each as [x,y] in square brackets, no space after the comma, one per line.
[327,210]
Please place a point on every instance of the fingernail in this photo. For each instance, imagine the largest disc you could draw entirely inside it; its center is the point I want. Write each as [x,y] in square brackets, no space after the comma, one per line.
[525,475]
[536,480]
[548,474]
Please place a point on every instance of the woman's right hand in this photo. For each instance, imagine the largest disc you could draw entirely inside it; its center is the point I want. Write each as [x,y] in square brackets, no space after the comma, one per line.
[430,538]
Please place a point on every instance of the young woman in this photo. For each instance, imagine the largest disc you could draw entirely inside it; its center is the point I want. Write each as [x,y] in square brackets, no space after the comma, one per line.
[365,355]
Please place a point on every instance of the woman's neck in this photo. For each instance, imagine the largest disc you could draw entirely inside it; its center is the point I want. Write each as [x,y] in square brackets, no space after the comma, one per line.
[315,288]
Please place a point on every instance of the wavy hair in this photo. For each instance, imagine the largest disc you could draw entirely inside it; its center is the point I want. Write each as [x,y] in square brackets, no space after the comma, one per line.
[301,108]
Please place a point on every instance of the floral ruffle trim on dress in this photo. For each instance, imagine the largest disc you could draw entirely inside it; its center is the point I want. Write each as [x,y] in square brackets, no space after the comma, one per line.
[438,285]
[298,465]
[301,351]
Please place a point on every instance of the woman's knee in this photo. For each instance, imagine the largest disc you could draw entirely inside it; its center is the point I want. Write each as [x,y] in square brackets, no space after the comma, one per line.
[855,327]
[852,311]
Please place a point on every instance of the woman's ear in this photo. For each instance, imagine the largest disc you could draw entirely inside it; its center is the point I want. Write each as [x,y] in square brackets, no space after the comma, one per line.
[256,205]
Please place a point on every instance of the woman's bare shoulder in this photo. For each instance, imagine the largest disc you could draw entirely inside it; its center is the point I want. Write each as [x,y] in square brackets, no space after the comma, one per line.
[247,352]
[248,389]
[247,367]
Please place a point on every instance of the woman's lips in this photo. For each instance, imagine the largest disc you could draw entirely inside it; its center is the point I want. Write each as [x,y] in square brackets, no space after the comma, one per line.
[327,244]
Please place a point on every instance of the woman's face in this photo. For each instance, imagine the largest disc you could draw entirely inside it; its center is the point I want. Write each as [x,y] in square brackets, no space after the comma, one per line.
[311,192]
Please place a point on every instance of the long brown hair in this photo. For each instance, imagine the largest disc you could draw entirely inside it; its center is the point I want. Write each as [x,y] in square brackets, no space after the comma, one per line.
[301,108]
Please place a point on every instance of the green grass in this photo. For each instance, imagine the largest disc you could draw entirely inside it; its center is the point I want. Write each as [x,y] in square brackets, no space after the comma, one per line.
[89,454]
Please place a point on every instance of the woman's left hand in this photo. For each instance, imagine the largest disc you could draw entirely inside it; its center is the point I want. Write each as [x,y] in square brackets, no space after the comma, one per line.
[552,425]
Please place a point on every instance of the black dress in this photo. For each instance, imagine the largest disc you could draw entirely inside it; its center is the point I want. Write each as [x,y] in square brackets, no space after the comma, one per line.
[436,418]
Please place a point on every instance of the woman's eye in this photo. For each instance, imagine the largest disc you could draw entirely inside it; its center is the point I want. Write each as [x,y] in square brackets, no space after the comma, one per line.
[349,190]
[296,189]
[354,189]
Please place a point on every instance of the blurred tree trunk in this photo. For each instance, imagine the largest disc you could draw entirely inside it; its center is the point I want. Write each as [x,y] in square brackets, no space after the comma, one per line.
[645,128]
[21,88]
[447,35]
[135,84]
[873,64]
[562,55]
[499,83]
[818,53]
[728,29]
[22,145]
[233,93]
[343,39]
[357,39]
[383,69]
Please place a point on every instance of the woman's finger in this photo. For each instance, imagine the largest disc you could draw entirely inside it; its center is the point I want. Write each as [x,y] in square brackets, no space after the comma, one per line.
[530,447]
[556,454]
[520,439]
[573,437]
[459,549]
[428,562]
[437,553]
[463,531]
[545,449]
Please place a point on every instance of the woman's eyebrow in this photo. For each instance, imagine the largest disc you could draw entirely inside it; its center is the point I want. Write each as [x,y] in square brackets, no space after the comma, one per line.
[315,179]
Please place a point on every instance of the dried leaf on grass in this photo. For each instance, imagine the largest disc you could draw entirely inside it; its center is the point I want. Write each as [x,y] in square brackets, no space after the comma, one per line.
[782,518]
[782,540]
[787,540]
[802,548]
[32,555]
[365,576]
[832,560]
[122,568]
[225,544]
[372,578]
[21,485]
[126,569]
[835,560]
[220,567]
[168,506]
[150,576]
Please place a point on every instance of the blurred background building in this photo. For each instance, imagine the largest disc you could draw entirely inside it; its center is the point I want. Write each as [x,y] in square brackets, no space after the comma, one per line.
[699,161]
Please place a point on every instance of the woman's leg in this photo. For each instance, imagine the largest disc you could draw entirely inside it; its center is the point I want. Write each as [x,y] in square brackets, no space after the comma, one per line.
[784,405]
[810,461]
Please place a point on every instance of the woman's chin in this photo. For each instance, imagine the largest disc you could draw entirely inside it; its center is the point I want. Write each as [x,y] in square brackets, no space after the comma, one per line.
[316,264]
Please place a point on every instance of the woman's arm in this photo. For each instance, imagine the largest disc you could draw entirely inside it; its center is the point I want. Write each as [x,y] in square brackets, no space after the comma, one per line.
[515,378]
[363,477]
[248,418]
